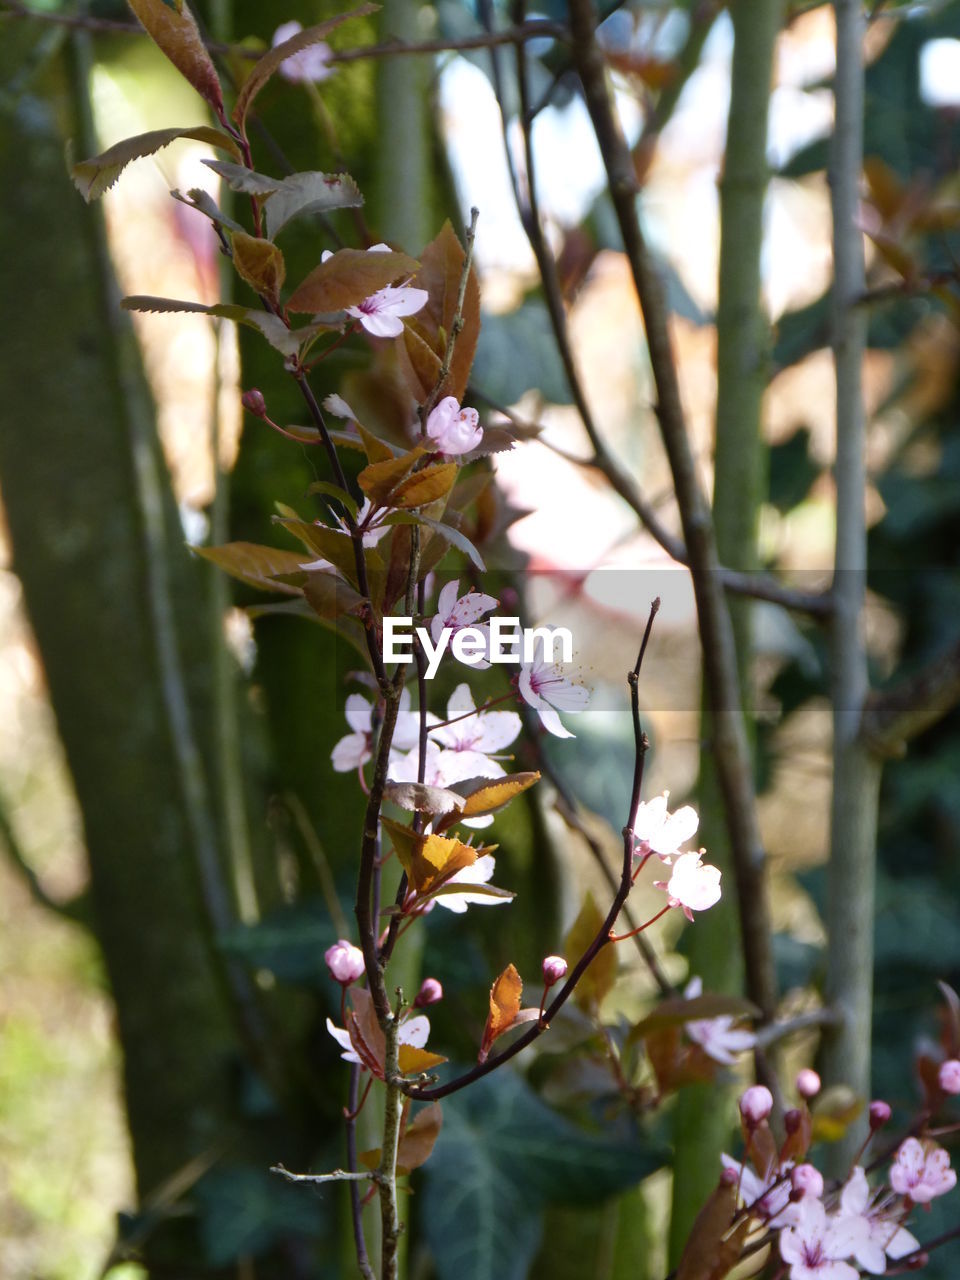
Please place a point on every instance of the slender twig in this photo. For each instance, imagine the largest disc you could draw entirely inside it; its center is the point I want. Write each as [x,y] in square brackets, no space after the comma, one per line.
[602,938]
[893,716]
[774,1032]
[356,1208]
[730,746]
[317,1179]
[534,30]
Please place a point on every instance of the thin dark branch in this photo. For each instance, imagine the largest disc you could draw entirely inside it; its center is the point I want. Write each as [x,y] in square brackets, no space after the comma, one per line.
[893,716]
[602,939]
[730,746]
[534,30]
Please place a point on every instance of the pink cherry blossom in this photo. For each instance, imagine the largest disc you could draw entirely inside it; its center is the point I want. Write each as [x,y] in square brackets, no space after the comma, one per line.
[354,750]
[807,1181]
[756,1103]
[455,613]
[949,1076]
[661,832]
[543,685]
[310,64]
[554,968]
[808,1082]
[452,429]
[815,1246]
[878,1233]
[693,885]
[717,1037]
[372,523]
[430,992]
[767,1198]
[344,961]
[476,732]
[921,1171]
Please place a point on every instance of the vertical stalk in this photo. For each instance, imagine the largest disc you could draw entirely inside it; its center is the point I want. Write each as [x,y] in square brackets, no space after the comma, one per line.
[743,335]
[403,159]
[856,773]
[387,1174]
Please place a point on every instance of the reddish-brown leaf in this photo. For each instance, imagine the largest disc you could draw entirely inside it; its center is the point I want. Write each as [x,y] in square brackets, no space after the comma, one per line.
[505,996]
[176,34]
[441,266]
[346,278]
[424,486]
[255,565]
[260,263]
[702,1255]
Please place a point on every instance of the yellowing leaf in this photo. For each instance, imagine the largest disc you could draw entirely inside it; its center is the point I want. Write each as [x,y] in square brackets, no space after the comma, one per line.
[379,479]
[601,972]
[266,66]
[176,34]
[428,860]
[417,1140]
[255,565]
[346,278]
[505,996]
[418,362]
[94,176]
[375,449]
[494,795]
[425,486]
[413,1061]
[329,596]
[260,263]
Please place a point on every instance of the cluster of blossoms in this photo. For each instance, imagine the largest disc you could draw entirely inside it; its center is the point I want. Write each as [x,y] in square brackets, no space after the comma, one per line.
[835,1234]
[693,885]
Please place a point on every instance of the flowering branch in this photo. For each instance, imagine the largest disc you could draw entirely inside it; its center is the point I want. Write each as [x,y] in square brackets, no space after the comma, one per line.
[603,936]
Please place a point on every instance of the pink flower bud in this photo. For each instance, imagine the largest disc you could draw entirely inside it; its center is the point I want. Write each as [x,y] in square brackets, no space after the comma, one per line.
[756,1103]
[729,1178]
[879,1113]
[254,403]
[949,1076]
[430,992]
[807,1181]
[554,968]
[792,1120]
[808,1083]
[345,962]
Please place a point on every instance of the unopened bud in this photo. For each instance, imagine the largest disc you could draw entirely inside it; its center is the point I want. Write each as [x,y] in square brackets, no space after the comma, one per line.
[756,1103]
[879,1113]
[917,1260]
[729,1178]
[808,1083]
[254,403]
[949,1076]
[807,1181]
[430,992]
[345,962]
[554,968]
[792,1120]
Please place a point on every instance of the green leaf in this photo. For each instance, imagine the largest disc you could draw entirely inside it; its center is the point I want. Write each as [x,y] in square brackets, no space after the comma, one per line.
[94,176]
[175,32]
[243,1211]
[500,1157]
[243,180]
[274,58]
[310,193]
[255,565]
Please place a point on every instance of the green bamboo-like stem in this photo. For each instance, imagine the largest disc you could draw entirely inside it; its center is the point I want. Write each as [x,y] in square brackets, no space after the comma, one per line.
[403,149]
[743,337]
[390,1228]
[856,771]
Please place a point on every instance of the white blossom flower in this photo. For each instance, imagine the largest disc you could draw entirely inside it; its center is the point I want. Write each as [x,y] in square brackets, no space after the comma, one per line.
[414,1031]
[356,748]
[815,1246]
[693,885]
[543,685]
[767,1198]
[476,733]
[455,613]
[481,872]
[661,832]
[717,1037]
[380,312]
[310,64]
[878,1233]
[452,429]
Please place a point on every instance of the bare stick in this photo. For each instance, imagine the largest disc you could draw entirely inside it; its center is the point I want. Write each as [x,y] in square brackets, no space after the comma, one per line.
[730,746]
